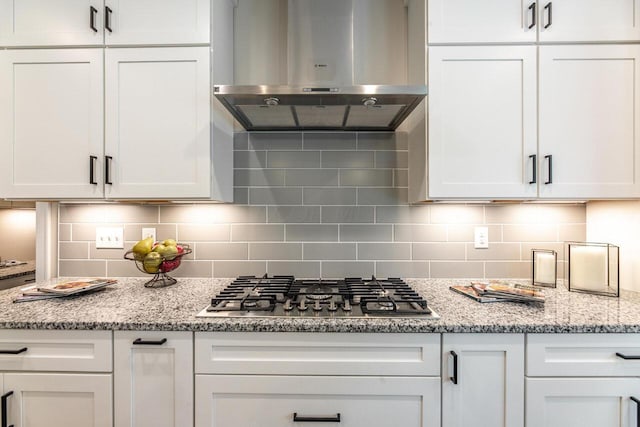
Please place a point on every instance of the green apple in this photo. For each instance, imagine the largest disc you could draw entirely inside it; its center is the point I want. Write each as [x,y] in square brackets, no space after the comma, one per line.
[167,252]
[170,242]
[152,262]
[142,248]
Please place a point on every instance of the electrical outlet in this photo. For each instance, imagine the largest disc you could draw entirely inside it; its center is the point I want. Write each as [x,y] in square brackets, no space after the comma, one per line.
[149,232]
[109,238]
[481,240]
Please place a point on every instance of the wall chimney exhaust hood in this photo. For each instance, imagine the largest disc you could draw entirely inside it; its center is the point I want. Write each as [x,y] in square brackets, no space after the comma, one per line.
[331,47]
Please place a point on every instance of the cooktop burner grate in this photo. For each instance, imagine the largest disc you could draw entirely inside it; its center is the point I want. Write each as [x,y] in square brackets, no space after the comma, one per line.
[284,296]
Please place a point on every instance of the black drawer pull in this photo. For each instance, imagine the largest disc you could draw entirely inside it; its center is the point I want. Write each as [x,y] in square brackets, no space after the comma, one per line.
[549,159]
[298,419]
[4,407]
[92,18]
[107,18]
[635,399]
[549,9]
[625,357]
[532,8]
[140,341]
[534,174]
[92,170]
[454,378]
[22,350]
[107,169]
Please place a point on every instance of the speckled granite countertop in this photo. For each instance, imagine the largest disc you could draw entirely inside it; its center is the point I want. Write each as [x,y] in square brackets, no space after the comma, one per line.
[18,270]
[128,305]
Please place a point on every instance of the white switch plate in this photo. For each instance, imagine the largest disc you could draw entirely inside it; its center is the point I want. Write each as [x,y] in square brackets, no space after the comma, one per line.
[149,232]
[481,239]
[109,238]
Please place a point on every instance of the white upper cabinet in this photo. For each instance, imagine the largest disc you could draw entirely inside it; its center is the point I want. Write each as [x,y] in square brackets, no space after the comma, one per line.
[157,132]
[96,22]
[465,21]
[482,122]
[589,20]
[589,120]
[51,123]
[150,22]
[51,22]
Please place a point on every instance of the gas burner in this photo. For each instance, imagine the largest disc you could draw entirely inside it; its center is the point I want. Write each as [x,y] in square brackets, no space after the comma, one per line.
[283,296]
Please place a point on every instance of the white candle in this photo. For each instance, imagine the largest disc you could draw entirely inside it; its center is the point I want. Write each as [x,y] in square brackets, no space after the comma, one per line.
[588,269]
[545,268]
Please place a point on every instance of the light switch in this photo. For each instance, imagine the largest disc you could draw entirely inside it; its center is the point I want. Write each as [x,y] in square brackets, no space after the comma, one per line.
[149,232]
[109,238]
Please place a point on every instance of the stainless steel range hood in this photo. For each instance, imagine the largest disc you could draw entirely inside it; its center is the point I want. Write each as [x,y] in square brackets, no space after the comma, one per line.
[322,72]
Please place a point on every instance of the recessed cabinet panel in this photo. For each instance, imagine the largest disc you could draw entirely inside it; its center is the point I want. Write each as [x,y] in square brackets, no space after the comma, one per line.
[45,400]
[51,115]
[581,402]
[482,122]
[484,374]
[465,21]
[279,401]
[153,22]
[157,123]
[589,20]
[589,121]
[51,22]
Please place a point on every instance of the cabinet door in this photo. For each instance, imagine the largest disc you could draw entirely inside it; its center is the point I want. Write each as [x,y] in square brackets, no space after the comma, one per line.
[51,123]
[589,20]
[489,385]
[50,22]
[589,119]
[482,122]
[157,123]
[286,401]
[45,400]
[469,21]
[582,402]
[152,22]
[153,380]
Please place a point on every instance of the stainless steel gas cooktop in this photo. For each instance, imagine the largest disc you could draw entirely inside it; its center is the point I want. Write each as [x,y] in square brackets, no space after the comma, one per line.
[284,296]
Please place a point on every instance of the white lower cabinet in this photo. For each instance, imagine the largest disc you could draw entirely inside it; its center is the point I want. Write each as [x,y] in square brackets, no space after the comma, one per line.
[153,379]
[394,379]
[483,380]
[58,400]
[582,380]
[582,402]
[56,378]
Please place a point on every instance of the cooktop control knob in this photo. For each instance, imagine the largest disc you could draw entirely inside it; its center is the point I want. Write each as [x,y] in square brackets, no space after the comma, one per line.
[302,306]
[287,305]
[317,306]
[333,306]
[347,306]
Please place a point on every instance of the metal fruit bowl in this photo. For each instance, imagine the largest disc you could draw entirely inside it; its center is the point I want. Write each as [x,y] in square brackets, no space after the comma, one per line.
[160,277]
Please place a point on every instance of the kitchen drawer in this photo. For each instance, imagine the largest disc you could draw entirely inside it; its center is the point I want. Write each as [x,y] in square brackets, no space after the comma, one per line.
[317,353]
[272,401]
[17,281]
[574,355]
[59,351]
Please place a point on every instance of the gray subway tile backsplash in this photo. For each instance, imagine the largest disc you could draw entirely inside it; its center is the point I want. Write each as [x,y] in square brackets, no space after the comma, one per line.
[323,204]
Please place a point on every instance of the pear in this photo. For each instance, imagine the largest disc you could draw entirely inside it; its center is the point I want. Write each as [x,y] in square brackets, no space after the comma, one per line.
[142,248]
[170,242]
[152,262]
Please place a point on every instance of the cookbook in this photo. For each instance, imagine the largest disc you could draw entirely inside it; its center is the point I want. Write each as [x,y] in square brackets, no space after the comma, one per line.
[76,286]
[495,291]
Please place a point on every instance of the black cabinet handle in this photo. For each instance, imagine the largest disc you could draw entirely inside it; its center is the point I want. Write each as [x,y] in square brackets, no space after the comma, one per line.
[140,341]
[549,9]
[635,399]
[22,350]
[107,170]
[4,407]
[92,21]
[625,357]
[549,158]
[107,18]
[454,378]
[298,419]
[532,8]
[92,165]
[534,169]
